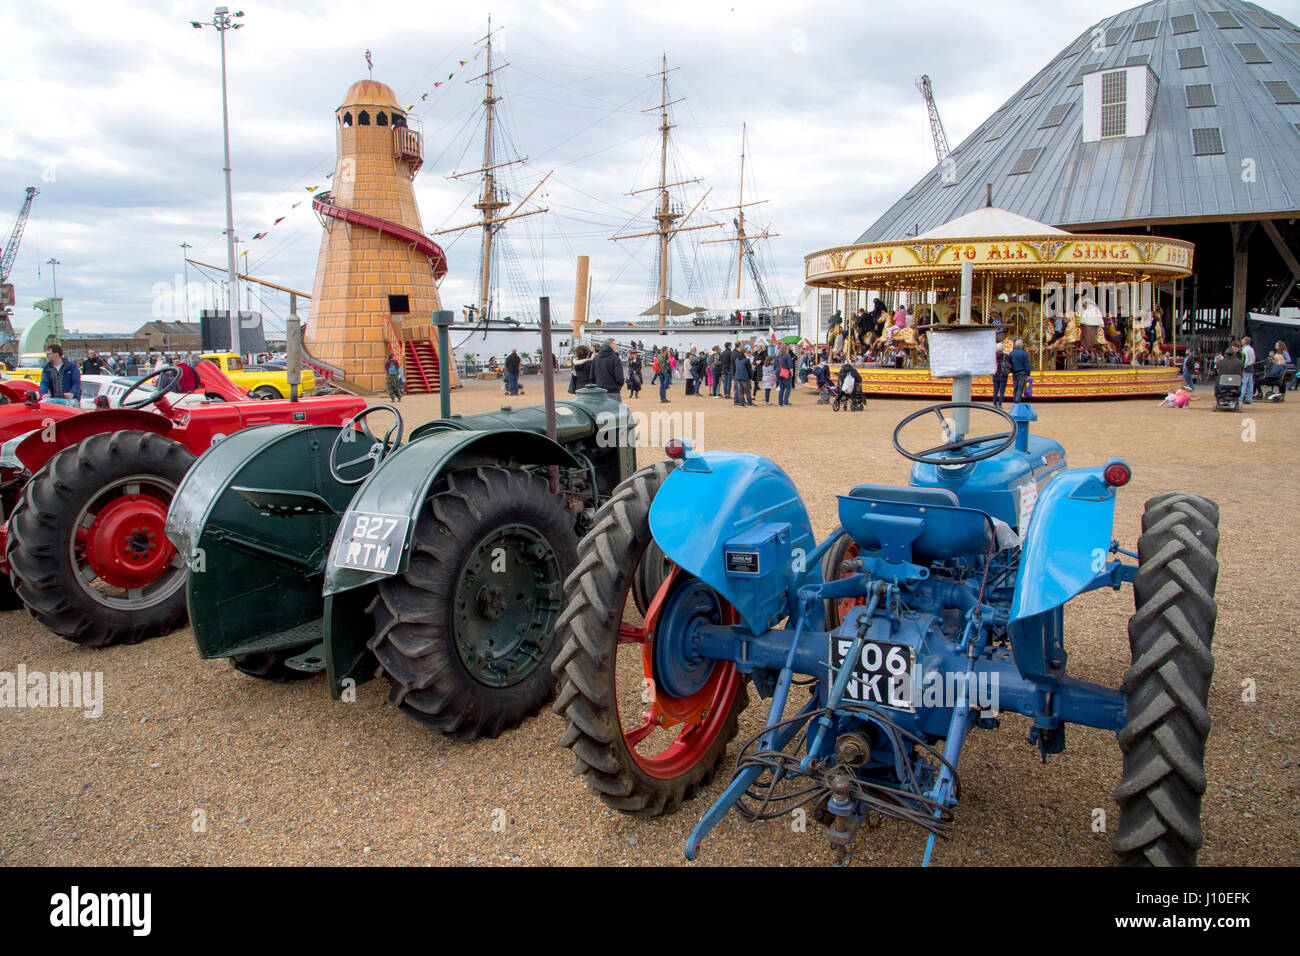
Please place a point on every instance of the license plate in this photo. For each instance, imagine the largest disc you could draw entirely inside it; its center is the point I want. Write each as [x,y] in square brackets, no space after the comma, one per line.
[882,674]
[371,542]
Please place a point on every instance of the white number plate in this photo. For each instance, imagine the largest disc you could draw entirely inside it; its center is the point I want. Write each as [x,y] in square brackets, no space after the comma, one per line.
[370,542]
[882,674]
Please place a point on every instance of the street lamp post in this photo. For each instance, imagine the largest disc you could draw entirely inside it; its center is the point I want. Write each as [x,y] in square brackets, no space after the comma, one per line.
[223,20]
[54,277]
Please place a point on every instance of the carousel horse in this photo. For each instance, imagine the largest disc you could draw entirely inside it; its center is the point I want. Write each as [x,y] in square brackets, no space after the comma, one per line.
[1067,341]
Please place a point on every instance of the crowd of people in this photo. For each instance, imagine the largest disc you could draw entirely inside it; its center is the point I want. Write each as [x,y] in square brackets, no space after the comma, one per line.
[738,372]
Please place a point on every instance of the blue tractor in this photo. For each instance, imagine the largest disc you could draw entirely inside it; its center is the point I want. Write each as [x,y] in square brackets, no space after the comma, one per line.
[929,610]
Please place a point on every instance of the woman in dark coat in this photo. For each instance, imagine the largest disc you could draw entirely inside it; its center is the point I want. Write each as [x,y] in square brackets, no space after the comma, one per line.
[634,374]
[583,373]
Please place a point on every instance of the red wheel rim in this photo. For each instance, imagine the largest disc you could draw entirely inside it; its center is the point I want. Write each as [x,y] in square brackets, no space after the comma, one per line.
[126,545]
[700,717]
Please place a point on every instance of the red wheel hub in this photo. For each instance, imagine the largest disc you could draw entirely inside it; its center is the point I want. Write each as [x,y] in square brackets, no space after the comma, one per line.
[125,545]
[701,716]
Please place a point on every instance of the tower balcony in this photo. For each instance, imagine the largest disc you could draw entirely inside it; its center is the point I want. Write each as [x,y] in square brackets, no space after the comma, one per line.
[408,147]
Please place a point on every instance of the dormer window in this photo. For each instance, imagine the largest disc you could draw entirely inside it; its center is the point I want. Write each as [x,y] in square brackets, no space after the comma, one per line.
[1118,102]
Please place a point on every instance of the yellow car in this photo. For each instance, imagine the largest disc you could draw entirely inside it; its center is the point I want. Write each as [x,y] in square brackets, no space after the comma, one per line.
[262,382]
[30,365]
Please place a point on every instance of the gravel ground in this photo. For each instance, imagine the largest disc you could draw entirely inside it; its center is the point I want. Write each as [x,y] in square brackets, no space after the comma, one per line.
[194,763]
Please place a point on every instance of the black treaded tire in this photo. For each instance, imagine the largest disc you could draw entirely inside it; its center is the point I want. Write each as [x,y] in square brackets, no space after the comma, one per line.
[415,640]
[1167,687]
[831,562]
[41,531]
[586,664]
[266,393]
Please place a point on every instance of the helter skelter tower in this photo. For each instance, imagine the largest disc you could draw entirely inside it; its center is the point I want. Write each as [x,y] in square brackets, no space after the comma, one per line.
[376,277]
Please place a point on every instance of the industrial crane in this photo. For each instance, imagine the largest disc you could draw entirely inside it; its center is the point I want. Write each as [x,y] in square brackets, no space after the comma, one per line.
[936,125]
[6,266]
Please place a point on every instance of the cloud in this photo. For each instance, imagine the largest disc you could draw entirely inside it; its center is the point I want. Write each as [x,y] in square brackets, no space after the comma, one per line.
[115,117]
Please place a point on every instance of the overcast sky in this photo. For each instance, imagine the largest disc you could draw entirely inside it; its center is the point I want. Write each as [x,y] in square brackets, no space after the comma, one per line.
[113,111]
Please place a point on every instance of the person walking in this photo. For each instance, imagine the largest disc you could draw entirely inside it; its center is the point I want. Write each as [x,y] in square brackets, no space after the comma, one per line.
[728,370]
[784,375]
[607,371]
[664,372]
[60,380]
[634,374]
[769,380]
[1248,372]
[741,372]
[716,372]
[93,365]
[582,370]
[1000,371]
[512,366]
[392,378]
[1018,362]
[1189,369]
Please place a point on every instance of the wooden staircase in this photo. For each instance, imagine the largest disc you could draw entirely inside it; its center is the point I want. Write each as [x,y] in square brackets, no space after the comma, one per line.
[422,371]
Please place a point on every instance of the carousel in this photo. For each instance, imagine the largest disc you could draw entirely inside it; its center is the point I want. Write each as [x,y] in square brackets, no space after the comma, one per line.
[1090,309]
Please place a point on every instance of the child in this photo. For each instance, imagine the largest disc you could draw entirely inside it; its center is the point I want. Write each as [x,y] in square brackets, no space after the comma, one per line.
[1178,399]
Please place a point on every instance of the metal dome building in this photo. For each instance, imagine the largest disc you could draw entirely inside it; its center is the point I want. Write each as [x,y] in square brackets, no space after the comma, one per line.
[1177,116]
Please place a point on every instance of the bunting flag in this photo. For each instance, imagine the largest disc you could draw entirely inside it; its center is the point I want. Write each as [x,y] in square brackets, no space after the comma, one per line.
[463,62]
[278,221]
[312,189]
[296,205]
[256,235]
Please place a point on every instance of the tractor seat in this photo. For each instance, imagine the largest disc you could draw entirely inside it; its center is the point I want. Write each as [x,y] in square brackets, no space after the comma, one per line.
[906,494]
[914,525]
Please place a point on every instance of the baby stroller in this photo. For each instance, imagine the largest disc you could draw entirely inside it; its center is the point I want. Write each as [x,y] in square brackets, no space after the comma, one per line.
[825,387]
[1227,393]
[848,395]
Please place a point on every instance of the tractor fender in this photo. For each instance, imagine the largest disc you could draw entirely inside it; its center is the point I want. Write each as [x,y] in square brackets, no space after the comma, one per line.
[1067,544]
[52,437]
[716,497]
[401,483]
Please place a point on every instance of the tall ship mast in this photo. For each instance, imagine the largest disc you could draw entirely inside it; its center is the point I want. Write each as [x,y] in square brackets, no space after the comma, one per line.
[667,215]
[492,197]
[745,243]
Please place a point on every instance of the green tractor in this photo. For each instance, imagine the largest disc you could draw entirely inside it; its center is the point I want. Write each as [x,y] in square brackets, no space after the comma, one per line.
[438,563]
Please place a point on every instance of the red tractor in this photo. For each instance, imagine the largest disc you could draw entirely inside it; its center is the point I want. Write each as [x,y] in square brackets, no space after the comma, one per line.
[84,494]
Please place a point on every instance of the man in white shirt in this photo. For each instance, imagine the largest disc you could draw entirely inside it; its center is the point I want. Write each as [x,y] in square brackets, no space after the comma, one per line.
[1248,373]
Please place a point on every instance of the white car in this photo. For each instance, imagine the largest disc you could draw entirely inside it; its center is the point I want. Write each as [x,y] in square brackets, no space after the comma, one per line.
[113,387]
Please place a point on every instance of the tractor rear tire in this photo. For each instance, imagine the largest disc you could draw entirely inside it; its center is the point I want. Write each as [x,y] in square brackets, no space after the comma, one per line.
[431,639]
[831,562]
[589,629]
[1168,685]
[42,529]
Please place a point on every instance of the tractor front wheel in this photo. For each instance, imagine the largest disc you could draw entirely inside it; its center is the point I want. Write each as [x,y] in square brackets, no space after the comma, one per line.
[641,749]
[86,543]
[467,635]
[1167,687]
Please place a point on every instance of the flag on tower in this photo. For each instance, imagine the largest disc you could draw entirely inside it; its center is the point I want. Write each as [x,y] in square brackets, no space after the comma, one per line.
[370,64]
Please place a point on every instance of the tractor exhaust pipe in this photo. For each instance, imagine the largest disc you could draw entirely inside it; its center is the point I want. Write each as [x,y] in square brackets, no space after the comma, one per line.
[548,383]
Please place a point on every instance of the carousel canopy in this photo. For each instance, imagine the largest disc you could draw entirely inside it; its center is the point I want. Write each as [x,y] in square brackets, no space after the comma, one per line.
[990,222]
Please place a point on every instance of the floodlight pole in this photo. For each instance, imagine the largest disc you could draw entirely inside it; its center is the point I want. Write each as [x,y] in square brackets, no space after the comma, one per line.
[223,20]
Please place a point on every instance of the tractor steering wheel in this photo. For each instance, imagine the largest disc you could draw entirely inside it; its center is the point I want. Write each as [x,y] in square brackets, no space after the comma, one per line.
[380,448]
[164,386]
[934,456]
